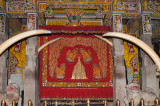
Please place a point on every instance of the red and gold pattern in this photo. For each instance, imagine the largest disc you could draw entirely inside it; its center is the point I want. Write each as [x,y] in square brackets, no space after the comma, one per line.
[88,57]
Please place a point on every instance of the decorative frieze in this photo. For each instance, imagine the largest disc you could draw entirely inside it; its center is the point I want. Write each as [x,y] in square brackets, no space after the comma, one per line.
[18,7]
[128,9]
[57,22]
[64,5]
[77,1]
[89,22]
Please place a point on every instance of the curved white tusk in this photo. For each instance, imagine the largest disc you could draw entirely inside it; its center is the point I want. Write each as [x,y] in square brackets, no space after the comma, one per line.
[106,40]
[46,44]
[138,42]
[21,36]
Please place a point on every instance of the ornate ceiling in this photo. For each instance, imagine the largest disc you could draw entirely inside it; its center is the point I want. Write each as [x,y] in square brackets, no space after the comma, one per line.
[80,12]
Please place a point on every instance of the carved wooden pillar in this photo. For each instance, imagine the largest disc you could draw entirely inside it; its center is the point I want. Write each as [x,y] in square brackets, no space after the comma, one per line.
[119,76]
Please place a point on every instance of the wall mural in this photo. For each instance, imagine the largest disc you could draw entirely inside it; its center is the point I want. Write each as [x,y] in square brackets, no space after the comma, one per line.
[131,60]
[17,61]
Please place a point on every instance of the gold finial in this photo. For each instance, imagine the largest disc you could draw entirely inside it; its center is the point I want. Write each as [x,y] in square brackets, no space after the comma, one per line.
[56,103]
[118,103]
[29,103]
[3,103]
[156,101]
[142,102]
[88,102]
[13,103]
[45,103]
[105,102]
[132,102]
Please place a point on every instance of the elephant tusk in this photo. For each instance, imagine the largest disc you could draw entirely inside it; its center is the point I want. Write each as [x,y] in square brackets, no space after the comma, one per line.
[20,36]
[106,40]
[46,44]
[139,43]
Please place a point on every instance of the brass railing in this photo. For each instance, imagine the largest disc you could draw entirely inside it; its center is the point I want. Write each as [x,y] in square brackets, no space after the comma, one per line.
[3,103]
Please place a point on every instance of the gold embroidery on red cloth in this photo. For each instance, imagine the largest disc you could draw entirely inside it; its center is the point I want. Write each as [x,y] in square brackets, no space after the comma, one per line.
[96,72]
[71,55]
[98,46]
[87,58]
[60,72]
[79,71]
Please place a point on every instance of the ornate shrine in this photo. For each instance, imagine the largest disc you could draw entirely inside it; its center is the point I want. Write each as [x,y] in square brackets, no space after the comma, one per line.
[76,22]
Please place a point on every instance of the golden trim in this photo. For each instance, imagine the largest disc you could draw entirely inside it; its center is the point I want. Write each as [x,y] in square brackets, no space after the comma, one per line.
[72,2]
[76,99]
[83,20]
[131,13]
[59,11]
[89,11]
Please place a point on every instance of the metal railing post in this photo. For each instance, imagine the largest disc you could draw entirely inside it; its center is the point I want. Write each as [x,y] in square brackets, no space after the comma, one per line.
[132,102]
[88,102]
[142,102]
[156,101]
[29,103]
[105,102]
[13,103]
[56,103]
[3,103]
[45,103]
[118,103]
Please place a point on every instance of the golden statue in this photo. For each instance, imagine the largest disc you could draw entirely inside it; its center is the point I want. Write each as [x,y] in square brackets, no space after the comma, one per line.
[79,71]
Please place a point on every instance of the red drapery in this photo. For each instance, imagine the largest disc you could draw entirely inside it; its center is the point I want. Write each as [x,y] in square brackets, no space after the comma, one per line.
[78,65]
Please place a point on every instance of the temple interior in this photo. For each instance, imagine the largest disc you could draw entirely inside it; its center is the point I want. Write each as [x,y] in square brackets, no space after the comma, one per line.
[62,52]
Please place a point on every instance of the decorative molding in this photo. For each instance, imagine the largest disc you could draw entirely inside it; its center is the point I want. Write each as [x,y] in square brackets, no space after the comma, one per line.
[76,1]
[89,22]
[57,22]
[18,7]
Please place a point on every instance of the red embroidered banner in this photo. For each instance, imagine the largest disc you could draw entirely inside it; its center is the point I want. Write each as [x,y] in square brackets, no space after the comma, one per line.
[76,65]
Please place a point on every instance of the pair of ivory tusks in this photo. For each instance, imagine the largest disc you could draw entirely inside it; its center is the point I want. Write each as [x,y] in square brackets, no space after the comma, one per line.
[54,40]
[106,40]
[130,38]
[46,44]
[19,37]
[138,42]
